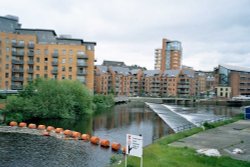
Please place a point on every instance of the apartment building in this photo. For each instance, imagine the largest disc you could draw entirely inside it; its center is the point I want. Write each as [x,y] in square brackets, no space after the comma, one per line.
[102,80]
[186,83]
[171,55]
[27,54]
[170,82]
[237,78]
[135,82]
[158,56]
[152,82]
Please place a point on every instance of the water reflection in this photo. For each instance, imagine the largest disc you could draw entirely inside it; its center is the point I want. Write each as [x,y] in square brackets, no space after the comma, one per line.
[134,118]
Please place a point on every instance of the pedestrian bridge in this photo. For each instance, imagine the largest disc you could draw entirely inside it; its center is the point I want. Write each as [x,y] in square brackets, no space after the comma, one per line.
[164,100]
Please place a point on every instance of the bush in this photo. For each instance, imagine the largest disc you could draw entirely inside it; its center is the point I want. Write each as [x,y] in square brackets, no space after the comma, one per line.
[208,125]
[50,99]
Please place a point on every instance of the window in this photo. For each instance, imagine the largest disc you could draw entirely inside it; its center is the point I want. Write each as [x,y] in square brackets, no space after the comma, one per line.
[6,75]
[37,68]
[46,52]
[6,66]
[45,75]
[37,75]
[54,76]
[70,60]
[46,68]
[70,77]
[63,76]
[46,59]
[63,61]
[38,52]
[63,68]
[37,59]
[71,52]
[7,40]
[64,52]
[70,69]
[7,50]
[7,58]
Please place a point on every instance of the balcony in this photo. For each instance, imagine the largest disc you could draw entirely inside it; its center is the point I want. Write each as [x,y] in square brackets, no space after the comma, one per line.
[17,61]
[54,63]
[30,79]
[55,55]
[82,56]
[17,45]
[31,70]
[30,62]
[55,71]
[183,86]
[31,54]
[82,64]
[81,73]
[17,79]
[31,45]
[15,53]
[16,87]
[17,70]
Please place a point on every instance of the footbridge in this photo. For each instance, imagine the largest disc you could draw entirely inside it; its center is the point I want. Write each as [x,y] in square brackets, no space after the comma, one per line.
[164,100]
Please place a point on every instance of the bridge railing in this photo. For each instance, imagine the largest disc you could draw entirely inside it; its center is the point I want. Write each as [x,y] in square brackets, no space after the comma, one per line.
[199,124]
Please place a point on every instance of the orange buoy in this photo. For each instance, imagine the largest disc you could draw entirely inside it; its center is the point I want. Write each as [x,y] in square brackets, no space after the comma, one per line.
[124,150]
[50,128]
[41,127]
[76,135]
[45,133]
[13,123]
[85,137]
[105,143]
[59,130]
[32,126]
[115,146]
[22,124]
[94,140]
[67,132]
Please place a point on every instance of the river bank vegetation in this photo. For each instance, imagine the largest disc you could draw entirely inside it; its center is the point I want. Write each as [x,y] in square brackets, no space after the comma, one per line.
[161,154]
[54,99]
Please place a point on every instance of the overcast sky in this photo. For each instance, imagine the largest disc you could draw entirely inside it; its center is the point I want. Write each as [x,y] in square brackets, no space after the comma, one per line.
[212,32]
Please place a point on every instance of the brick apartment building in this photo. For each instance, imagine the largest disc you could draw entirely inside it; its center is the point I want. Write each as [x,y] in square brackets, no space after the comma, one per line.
[27,54]
[237,79]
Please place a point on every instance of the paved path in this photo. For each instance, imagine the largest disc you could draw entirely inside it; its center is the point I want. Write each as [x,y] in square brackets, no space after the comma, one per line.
[225,139]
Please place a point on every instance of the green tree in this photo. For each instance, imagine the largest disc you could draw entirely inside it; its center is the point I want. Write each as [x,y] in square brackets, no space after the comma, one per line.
[50,99]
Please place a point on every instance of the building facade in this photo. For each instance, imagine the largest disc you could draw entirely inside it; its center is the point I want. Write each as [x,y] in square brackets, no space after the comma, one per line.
[171,55]
[27,54]
[237,78]
[158,59]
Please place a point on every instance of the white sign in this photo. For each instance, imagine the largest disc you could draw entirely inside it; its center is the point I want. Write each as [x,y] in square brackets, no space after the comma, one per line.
[134,145]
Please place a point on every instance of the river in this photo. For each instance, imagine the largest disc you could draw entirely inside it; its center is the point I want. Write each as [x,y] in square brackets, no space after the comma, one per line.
[134,118]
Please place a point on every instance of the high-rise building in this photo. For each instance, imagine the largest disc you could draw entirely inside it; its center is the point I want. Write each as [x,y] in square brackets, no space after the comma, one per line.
[171,55]
[27,54]
[158,59]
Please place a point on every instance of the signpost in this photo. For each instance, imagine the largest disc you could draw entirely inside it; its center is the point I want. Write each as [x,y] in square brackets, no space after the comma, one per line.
[134,147]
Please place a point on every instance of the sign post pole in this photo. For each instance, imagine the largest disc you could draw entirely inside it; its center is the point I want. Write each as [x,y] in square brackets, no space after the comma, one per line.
[126,159]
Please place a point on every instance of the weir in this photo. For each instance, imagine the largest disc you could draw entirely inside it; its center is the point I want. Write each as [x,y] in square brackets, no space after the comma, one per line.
[174,120]
[180,121]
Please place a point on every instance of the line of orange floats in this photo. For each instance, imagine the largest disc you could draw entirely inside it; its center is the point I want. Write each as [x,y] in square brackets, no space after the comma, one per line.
[72,135]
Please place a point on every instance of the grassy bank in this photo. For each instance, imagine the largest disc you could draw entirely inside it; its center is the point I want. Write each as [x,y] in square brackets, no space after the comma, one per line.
[160,154]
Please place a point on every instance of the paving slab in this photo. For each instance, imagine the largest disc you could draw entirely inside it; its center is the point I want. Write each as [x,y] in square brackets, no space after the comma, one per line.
[225,139]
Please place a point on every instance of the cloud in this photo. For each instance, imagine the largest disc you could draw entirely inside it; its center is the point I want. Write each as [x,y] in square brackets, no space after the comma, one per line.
[211,31]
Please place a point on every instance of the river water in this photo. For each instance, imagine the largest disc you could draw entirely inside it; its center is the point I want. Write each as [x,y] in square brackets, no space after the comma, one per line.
[134,118]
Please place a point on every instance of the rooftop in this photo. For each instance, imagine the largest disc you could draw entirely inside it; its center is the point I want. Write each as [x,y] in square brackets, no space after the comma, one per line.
[235,68]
